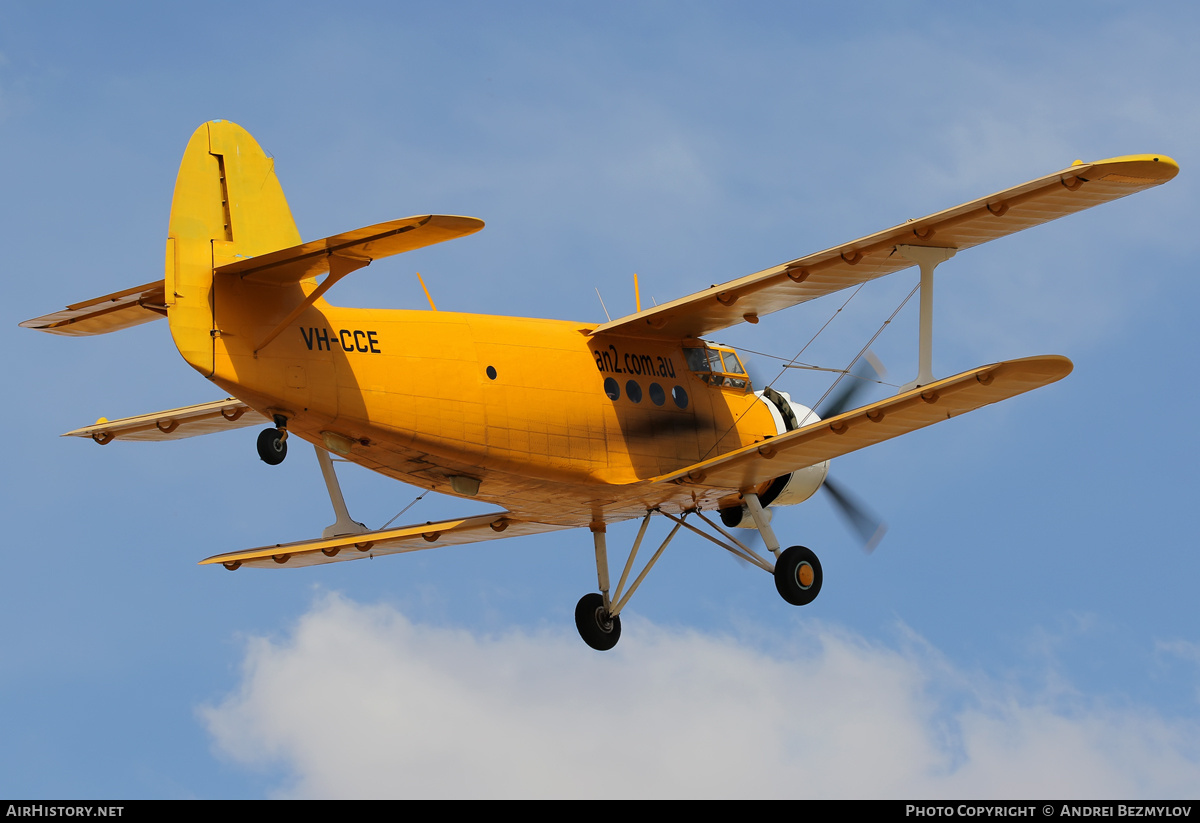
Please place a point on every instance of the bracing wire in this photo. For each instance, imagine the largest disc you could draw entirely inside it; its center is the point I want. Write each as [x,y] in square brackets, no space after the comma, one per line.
[402,511]
[841,373]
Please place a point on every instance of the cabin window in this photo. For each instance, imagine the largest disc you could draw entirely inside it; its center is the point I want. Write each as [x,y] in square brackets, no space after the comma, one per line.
[633,391]
[717,366]
[697,359]
[612,389]
[735,374]
[657,395]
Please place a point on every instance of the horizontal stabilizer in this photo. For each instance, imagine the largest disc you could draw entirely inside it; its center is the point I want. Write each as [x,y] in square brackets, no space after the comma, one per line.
[311,259]
[174,424]
[850,431]
[112,312]
[386,541]
[1071,190]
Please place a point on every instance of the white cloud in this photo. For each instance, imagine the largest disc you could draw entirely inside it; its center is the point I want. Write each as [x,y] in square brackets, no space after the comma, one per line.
[361,702]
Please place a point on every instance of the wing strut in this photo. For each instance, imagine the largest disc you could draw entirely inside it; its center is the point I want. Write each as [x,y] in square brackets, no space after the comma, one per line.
[345,524]
[928,258]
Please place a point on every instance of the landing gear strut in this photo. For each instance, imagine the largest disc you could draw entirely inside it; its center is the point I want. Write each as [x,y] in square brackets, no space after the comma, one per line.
[797,571]
[272,443]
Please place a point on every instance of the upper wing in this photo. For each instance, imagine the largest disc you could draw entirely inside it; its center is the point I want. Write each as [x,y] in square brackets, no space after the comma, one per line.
[856,429]
[311,259]
[1065,192]
[112,312]
[174,424]
[386,541]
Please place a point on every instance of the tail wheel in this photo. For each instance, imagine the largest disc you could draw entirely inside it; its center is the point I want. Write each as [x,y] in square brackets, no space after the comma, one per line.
[597,627]
[798,576]
[272,448]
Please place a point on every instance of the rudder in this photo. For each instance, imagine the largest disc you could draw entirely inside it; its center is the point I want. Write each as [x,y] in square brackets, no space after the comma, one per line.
[228,205]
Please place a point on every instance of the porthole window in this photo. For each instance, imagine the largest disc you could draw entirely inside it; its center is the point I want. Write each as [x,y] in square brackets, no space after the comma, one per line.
[633,391]
[680,397]
[491,372]
[657,395]
[612,389]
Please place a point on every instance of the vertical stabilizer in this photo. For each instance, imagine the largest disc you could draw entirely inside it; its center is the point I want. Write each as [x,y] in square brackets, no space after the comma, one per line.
[228,205]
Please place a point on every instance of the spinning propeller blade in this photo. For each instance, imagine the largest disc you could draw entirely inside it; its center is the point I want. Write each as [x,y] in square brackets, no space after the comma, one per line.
[865,373]
[865,523]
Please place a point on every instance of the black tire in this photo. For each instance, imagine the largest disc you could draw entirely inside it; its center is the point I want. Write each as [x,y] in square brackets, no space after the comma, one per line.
[798,576]
[597,627]
[272,448]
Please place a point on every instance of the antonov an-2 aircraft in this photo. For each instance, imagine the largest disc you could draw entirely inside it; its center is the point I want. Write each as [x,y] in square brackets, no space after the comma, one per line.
[562,424]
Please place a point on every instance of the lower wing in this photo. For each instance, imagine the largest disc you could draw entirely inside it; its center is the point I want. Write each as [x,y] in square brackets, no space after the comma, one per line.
[385,541]
[856,429]
[174,424]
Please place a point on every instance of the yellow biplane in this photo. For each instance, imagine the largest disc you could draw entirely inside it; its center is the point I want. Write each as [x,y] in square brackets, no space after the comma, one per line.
[564,424]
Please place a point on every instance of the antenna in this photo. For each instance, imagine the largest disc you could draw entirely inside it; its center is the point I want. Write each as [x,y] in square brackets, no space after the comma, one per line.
[637,293]
[602,304]
[427,297]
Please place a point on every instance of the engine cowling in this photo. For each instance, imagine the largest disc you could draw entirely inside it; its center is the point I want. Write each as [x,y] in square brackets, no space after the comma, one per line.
[788,489]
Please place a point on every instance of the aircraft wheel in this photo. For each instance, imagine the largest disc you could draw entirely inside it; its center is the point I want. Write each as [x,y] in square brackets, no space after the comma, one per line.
[597,627]
[798,576]
[272,448]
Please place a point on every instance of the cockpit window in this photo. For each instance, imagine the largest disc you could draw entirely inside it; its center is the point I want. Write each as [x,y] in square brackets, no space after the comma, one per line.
[733,366]
[717,366]
[697,359]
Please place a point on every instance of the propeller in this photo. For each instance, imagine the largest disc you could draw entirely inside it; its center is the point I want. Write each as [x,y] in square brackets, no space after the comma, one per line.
[869,370]
[861,520]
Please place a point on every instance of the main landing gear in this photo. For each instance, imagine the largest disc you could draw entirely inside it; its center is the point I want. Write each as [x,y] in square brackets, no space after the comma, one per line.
[598,628]
[798,576]
[272,443]
[797,571]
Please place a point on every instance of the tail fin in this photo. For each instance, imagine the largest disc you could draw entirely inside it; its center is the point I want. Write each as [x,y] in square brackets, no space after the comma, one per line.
[236,273]
[228,205]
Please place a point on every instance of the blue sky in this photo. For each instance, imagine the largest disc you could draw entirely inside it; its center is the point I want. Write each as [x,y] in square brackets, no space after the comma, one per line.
[1028,625]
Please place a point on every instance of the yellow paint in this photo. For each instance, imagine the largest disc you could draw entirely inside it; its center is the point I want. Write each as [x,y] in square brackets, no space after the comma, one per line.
[562,423]
[411,389]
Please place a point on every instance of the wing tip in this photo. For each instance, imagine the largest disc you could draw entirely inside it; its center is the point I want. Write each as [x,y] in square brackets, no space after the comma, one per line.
[1135,168]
